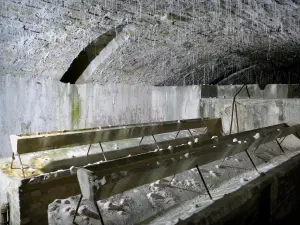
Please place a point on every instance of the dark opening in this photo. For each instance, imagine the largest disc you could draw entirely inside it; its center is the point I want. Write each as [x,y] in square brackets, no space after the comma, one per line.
[87,55]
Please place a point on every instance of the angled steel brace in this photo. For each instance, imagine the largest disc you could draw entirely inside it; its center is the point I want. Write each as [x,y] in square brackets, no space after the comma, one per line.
[96,205]
[102,151]
[202,178]
[281,148]
[21,164]
[89,149]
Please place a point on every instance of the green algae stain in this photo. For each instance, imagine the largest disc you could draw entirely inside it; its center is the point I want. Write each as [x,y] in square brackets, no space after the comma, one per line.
[76,109]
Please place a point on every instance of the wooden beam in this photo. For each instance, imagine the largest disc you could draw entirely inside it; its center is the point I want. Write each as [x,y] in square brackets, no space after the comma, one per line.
[143,164]
[46,141]
[150,169]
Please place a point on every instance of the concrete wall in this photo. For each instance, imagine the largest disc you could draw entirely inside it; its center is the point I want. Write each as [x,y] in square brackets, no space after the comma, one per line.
[252,113]
[29,105]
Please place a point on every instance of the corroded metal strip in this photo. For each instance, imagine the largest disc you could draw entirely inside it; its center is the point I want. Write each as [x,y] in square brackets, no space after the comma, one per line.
[33,143]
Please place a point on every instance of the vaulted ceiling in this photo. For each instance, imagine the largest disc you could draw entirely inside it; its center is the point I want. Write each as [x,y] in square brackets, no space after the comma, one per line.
[152,42]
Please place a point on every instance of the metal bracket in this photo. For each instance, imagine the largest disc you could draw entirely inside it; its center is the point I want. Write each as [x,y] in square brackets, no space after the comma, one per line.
[12,161]
[252,161]
[141,140]
[102,151]
[281,148]
[177,134]
[175,138]
[234,109]
[155,141]
[234,106]
[89,150]
[202,178]
[96,205]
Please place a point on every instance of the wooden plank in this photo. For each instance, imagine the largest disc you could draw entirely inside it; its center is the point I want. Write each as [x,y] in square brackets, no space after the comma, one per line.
[32,143]
[150,171]
[152,157]
[203,153]
[120,153]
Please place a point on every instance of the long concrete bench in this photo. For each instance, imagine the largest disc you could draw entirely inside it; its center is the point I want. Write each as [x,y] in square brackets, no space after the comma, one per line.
[112,177]
[28,143]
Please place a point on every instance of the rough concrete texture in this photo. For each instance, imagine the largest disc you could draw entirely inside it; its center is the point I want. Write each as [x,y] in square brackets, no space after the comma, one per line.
[31,205]
[41,105]
[174,42]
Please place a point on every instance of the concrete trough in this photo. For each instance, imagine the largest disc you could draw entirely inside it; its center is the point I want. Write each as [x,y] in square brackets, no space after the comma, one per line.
[29,198]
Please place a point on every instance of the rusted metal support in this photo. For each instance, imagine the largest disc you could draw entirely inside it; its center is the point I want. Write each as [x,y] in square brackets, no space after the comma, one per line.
[22,167]
[281,148]
[78,204]
[155,141]
[254,152]
[203,181]
[141,140]
[190,132]
[234,105]
[99,213]
[172,179]
[21,164]
[177,134]
[89,149]
[237,120]
[234,109]
[252,162]
[102,152]
[12,160]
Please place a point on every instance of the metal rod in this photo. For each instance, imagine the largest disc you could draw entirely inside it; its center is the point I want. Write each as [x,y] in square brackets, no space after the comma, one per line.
[202,178]
[154,138]
[190,132]
[232,110]
[89,150]
[172,179]
[102,151]
[99,213]
[234,104]
[281,147]
[237,119]
[12,160]
[247,91]
[21,165]
[141,140]
[177,134]
[155,141]
[254,152]
[251,161]
[77,208]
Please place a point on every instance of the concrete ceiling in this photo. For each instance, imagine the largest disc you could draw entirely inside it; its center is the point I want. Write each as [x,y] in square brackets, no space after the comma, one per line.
[153,42]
